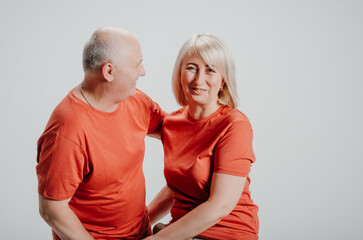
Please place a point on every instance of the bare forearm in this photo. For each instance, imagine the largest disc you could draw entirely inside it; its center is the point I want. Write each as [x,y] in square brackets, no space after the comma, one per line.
[160,205]
[195,222]
[63,220]
[225,193]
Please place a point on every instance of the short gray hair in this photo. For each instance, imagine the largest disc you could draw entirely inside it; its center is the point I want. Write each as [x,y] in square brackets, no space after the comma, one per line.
[214,52]
[96,52]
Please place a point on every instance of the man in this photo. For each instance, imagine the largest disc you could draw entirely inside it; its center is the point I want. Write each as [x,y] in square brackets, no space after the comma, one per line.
[90,179]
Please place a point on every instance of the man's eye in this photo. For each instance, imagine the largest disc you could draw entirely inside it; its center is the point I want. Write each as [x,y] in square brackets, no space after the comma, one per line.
[211,70]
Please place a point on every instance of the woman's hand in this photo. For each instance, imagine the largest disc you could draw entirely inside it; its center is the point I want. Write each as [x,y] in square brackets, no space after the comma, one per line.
[226,191]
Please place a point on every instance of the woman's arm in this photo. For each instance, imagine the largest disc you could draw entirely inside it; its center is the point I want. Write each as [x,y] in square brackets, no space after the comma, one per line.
[160,205]
[62,219]
[226,190]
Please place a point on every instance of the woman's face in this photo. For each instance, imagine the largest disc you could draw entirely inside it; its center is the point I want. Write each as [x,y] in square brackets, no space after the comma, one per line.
[201,83]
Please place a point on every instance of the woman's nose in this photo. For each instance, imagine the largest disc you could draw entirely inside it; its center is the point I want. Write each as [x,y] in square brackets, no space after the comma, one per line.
[199,77]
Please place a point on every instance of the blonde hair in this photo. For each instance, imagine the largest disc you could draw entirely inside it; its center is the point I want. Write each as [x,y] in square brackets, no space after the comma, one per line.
[215,53]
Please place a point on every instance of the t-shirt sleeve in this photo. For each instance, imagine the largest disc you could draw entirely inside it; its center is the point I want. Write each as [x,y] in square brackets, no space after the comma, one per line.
[156,116]
[61,166]
[234,153]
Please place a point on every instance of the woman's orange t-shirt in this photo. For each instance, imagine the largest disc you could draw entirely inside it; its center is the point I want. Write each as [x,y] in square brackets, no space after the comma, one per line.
[194,150]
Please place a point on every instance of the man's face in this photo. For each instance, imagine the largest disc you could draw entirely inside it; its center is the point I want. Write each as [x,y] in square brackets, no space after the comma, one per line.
[128,68]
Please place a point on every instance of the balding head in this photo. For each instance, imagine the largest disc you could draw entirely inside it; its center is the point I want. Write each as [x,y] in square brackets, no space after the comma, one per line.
[106,44]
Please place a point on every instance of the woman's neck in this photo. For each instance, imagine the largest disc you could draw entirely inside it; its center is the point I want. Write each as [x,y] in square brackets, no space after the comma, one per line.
[202,111]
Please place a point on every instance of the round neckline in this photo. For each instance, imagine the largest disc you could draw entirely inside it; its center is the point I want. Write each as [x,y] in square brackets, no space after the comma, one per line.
[90,108]
[205,118]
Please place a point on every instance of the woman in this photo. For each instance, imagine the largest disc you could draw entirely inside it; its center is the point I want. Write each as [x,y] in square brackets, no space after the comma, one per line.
[208,150]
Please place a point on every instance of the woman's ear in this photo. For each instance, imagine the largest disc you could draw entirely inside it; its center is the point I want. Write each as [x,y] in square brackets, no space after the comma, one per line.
[222,85]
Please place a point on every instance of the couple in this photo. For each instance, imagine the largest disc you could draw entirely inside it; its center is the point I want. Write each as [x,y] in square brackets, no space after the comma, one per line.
[90,179]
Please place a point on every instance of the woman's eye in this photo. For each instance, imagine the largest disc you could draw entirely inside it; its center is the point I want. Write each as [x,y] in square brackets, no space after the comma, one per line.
[191,68]
[211,70]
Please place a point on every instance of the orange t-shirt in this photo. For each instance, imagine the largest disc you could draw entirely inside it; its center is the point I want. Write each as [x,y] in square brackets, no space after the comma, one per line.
[194,150]
[95,158]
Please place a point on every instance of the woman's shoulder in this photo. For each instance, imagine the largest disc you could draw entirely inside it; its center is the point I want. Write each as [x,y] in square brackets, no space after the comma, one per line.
[233,115]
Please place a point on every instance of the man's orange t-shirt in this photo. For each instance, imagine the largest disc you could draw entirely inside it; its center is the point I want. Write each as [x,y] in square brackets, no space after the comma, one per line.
[194,150]
[95,158]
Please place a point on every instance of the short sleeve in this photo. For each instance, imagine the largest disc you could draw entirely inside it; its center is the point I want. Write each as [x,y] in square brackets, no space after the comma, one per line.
[157,115]
[233,152]
[61,166]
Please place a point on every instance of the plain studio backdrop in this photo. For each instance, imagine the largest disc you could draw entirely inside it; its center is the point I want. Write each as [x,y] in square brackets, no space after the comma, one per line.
[299,71]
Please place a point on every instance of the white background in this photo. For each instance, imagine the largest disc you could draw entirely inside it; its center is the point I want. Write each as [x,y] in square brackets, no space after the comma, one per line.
[299,71]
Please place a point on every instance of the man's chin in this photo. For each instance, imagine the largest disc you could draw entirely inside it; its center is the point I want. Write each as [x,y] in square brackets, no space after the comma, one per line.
[133,92]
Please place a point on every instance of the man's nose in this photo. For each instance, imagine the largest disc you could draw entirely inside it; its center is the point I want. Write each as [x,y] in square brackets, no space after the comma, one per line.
[142,70]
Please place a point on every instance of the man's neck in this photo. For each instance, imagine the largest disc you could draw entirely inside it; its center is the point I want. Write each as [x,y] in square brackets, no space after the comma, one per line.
[96,93]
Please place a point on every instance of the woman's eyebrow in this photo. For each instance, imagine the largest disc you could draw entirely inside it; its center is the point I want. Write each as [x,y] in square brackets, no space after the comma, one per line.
[192,64]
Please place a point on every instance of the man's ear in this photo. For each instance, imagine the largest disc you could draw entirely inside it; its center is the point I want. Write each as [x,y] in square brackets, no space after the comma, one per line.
[108,71]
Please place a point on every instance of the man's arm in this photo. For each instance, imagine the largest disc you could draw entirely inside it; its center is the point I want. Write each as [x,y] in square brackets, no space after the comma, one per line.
[62,219]
[160,205]
[156,119]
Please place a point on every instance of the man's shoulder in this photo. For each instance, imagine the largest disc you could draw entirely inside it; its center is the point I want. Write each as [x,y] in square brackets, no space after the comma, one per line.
[140,101]
[140,96]
[63,108]
[67,114]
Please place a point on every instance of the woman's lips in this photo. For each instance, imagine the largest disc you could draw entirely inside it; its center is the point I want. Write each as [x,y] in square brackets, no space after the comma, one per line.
[196,90]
